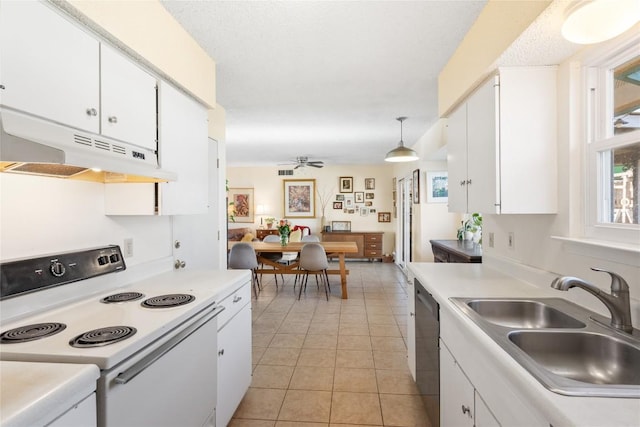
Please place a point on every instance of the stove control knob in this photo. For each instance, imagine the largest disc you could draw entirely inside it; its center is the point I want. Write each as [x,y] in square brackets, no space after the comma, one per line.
[103,260]
[57,269]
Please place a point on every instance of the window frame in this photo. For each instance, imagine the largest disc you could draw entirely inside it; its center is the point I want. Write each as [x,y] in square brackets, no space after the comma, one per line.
[599,136]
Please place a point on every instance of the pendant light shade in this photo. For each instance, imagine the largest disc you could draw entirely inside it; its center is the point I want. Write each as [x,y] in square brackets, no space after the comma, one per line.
[594,21]
[401,153]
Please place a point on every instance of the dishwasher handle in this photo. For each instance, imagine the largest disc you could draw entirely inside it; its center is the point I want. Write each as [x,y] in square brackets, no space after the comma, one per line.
[428,301]
[139,367]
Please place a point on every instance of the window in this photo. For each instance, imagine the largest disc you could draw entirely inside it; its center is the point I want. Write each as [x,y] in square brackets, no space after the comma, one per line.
[613,137]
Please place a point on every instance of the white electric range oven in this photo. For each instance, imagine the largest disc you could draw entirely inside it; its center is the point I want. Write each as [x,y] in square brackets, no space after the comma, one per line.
[154,340]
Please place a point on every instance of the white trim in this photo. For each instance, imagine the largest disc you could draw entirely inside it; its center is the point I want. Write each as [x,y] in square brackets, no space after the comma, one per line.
[622,253]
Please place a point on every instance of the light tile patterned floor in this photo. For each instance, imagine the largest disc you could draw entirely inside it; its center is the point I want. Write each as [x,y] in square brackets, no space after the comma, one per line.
[332,363]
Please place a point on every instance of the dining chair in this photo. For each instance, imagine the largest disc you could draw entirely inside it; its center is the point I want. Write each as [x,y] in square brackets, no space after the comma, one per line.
[242,256]
[313,259]
[273,256]
[310,238]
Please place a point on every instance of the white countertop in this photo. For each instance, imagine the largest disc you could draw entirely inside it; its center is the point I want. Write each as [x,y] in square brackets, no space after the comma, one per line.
[35,394]
[478,280]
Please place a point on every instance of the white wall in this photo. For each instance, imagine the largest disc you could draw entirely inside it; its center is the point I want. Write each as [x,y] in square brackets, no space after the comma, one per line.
[41,215]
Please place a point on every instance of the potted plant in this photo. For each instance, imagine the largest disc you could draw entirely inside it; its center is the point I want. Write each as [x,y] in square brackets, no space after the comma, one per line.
[471,229]
[269,221]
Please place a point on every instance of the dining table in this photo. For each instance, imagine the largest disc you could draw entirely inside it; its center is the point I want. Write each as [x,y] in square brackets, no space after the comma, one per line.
[333,249]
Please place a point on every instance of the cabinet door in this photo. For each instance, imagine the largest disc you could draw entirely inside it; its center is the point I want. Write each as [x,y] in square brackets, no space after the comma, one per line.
[484,417]
[234,364]
[482,150]
[457,159]
[49,67]
[128,100]
[183,148]
[456,393]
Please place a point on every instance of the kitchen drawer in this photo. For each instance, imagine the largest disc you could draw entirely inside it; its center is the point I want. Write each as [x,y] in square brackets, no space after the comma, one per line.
[373,246]
[233,303]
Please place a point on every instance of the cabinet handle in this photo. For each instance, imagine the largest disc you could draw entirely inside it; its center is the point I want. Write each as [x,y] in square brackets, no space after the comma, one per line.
[466,410]
[236,299]
[411,314]
[463,182]
[179,264]
[113,119]
[221,352]
[92,112]
[468,181]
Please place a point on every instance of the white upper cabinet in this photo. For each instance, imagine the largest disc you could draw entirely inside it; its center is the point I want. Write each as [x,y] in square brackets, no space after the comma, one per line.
[51,68]
[502,146]
[128,100]
[184,148]
[48,66]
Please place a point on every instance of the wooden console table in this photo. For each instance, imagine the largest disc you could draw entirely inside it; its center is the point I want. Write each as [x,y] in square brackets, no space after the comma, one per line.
[261,233]
[456,251]
[369,242]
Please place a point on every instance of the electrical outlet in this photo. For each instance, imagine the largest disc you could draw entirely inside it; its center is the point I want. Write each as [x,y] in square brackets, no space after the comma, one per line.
[491,237]
[128,248]
[512,240]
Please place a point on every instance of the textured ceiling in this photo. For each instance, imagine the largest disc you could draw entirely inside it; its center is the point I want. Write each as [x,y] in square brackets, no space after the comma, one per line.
[325,79]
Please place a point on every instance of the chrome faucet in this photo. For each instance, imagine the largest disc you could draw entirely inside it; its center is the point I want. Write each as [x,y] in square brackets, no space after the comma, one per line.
[617,302]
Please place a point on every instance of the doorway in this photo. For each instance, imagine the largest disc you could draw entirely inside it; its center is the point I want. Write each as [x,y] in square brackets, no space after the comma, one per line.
[405,211]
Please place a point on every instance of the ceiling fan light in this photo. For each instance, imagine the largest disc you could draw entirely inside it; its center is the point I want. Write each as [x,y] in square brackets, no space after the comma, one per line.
[594,21]
[401,153]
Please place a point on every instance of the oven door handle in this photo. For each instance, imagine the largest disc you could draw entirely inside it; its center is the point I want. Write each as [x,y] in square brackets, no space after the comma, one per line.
[134,370]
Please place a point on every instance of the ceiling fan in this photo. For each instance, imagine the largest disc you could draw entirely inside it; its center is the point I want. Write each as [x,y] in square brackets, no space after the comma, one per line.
[303,161]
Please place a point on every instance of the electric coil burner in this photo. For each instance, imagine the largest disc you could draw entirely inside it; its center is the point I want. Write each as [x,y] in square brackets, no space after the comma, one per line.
[122,297]
[31,332]
[170,300]
[103,336]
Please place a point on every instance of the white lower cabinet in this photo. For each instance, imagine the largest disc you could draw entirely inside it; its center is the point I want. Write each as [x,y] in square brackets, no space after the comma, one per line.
[234,353]
[460,403]
[411,327]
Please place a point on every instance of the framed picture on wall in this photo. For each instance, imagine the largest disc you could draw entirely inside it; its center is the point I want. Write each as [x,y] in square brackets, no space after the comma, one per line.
[349,201]
[384,216]
[359,195]
[340,197]
[437,187]
[416,186]
[346,184]
[299,198]
[242,199]
[341,225]
[369,183]
[337,205]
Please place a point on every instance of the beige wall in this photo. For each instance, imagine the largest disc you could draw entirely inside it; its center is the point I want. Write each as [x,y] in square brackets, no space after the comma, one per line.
[497,26]
[152,33]
[268,191]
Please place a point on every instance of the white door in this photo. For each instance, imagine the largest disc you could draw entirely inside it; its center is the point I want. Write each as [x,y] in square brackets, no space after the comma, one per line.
[198,236]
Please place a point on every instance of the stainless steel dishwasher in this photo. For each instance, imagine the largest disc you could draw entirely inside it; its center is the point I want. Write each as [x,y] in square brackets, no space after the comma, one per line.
[428,351]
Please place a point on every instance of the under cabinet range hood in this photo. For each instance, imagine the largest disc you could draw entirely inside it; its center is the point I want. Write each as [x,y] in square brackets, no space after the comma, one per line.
[31,145]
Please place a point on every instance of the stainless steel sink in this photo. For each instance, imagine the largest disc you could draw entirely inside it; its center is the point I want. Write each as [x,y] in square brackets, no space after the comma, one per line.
[583,356]
[523,314]
[569,349]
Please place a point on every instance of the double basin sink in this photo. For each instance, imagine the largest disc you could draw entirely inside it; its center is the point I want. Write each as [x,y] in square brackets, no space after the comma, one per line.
[567,348]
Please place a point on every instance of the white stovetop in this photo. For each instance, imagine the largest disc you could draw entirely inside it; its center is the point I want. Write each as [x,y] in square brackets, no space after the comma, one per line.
[479,280]
[37,393]
[90,313]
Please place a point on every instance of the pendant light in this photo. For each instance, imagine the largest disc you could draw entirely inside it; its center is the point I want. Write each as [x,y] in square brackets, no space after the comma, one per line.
[594,21]
[401,153]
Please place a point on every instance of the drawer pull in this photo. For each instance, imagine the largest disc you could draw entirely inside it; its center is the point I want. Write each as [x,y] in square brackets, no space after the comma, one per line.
[236,299]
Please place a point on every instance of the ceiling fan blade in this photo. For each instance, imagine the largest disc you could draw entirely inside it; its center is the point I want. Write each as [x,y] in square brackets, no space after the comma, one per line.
[315,165]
